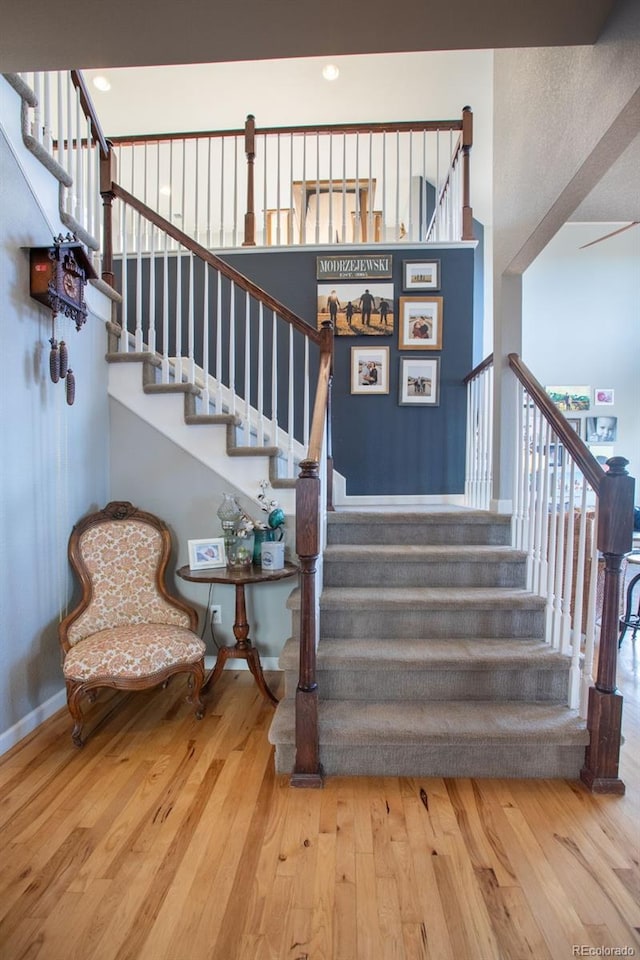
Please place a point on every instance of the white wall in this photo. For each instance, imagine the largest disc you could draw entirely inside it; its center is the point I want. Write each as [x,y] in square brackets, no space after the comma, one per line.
[581,323]
[156,475]
[53,467]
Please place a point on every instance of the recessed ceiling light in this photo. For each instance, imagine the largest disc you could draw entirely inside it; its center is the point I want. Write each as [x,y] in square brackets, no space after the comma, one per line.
[101,83]
[330,72]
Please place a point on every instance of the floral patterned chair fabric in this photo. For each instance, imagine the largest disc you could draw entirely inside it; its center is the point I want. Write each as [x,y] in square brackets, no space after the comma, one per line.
[127,631]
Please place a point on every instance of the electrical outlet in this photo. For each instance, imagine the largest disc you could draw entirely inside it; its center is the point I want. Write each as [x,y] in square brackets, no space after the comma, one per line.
[215,611]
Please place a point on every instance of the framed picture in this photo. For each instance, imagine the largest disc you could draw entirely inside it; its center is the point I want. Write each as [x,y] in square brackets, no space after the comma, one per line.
[419,381]
[570,398]
[205,554]
[369,369]
[602,429]
[421,274]
[603,397]
[420,325]
[357,307]
[574,423]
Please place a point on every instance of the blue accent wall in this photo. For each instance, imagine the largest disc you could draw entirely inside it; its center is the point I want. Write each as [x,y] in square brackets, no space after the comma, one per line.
[383,448]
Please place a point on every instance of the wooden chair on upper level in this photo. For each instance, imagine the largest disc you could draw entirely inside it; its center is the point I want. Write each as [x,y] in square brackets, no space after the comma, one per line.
[127,631]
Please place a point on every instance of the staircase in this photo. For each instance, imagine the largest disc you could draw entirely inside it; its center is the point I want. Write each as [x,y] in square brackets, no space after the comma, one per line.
[431,657]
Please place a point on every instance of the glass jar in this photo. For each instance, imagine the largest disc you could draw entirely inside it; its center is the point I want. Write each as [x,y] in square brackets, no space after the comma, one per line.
[240,550]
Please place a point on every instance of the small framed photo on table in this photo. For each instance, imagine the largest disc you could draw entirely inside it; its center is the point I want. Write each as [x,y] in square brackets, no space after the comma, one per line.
[420,326]
[205,554]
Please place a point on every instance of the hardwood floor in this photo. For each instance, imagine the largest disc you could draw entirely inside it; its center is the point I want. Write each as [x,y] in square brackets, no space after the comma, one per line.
[166,838]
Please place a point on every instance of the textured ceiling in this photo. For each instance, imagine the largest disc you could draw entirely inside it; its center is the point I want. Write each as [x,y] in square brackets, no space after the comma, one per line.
[37,35]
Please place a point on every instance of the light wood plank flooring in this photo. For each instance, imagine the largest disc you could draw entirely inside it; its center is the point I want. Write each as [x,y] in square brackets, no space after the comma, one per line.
[166,838]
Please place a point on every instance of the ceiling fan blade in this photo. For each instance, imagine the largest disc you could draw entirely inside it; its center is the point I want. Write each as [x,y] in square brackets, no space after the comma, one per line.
[634,223]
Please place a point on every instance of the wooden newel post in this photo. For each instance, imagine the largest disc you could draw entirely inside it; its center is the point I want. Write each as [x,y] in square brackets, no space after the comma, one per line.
[467,143]
[307,771]
[604,718]
[107,179]
[250,150]
[326,345]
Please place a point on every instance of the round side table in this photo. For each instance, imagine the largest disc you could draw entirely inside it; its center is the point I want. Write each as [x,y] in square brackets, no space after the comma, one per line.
[243,649]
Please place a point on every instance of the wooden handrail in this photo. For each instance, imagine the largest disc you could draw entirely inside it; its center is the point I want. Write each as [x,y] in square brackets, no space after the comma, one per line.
[578,449]
[487,362]
[319,409]
[229,272]
[402,126]
[89,111]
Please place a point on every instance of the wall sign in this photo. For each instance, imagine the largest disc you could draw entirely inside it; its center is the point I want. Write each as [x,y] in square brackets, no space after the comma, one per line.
[354,268]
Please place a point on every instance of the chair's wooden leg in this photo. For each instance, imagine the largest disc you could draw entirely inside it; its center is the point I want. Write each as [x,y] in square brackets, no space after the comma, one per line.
[196,680]
[74,693]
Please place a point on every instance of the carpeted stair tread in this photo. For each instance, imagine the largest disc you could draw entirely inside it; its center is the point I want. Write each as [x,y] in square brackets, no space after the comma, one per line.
[424,598]
[354,723]
[429,654]
[433,517]
[412,552]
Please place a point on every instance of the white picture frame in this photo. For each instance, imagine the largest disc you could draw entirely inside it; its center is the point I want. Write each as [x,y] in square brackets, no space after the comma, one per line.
[207,553]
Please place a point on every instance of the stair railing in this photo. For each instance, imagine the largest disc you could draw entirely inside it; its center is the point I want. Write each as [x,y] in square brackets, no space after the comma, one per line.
[566,511]
[326,184]
[61,127]
[313,497]
[244,353]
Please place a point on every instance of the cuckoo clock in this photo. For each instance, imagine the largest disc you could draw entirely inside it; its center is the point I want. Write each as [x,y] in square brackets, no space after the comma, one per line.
[58,276]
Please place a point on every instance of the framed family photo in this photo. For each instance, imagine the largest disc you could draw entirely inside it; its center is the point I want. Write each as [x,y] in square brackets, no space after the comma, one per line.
[205,554]
[420,323]
[421,274]
[419,381]
[369,369]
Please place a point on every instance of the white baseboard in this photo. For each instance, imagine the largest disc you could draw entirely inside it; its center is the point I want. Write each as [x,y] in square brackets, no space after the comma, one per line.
[27,724]
[23,727]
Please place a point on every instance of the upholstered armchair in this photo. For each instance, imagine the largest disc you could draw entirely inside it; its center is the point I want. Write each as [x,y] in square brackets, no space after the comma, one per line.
[127,631]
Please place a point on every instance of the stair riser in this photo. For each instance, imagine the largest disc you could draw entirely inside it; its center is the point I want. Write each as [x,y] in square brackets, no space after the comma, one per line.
[508,760]
[529,685]
[418,574]
[400,623]
[472,534]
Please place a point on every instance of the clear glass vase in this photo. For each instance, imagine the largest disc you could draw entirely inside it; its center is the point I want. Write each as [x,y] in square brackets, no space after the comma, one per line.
[240,551]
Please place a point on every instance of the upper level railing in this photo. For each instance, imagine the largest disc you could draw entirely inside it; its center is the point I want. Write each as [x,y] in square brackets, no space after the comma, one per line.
[61,127]
[358,183]
[283,186]
[575,523]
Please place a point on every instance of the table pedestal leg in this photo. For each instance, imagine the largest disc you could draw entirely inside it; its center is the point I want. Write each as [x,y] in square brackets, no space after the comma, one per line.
[242,650]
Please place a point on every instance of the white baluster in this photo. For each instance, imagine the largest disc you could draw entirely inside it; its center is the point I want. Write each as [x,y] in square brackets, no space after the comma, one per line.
[306,408]
[590,629]
[59,152]
[274,379]
[247,369]
[552,609]
[290,413]
[124,306]
[47,134]
[191,321]
[205,334]
[344,188]
[222,157]
[235,192]
[178,318]
[232,347]
[209,197]
[138,328]
[219,344]
[565,633]
[151,319]
[165,311]
[331,238]
[542,518]
[261,424]
[576,632]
